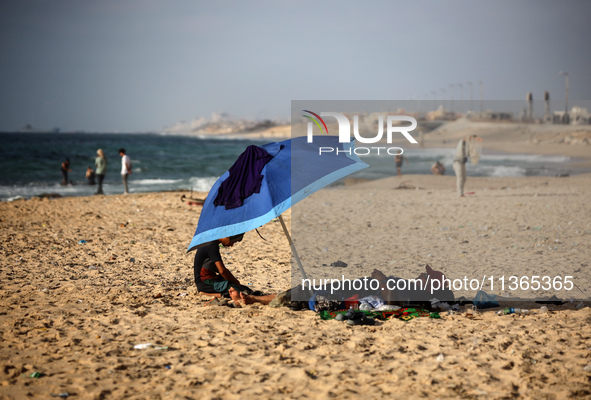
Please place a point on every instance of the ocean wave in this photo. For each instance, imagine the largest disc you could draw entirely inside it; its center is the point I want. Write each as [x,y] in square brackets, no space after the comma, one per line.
[448,153]
[8,193]
[498,170]
[182,163]
[155,181]
[202,184]
[428,152]
[528,158]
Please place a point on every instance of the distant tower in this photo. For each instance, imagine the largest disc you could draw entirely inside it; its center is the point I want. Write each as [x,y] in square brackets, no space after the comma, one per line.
[530,106]
[547,102]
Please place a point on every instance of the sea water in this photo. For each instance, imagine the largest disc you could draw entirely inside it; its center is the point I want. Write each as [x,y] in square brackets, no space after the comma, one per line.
[30,163]
[491,163]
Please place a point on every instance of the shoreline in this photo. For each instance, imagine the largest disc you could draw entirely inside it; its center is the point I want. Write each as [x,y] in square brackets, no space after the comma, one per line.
[508,138]
[505,143]
[347,182]
[582,168]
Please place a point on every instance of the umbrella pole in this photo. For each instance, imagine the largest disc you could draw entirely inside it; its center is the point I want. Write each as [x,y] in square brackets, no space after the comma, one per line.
[293,249]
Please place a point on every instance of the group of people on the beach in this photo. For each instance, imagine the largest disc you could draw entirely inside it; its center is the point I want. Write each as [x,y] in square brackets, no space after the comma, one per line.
[96,177]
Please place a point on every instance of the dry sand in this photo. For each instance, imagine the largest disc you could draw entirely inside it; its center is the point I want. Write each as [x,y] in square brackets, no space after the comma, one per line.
[74,311]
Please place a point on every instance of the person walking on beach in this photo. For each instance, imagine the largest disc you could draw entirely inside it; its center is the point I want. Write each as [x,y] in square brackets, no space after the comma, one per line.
[65,170]
[214,279]
[399,160]
[125,168]
[466,148]
[101,167]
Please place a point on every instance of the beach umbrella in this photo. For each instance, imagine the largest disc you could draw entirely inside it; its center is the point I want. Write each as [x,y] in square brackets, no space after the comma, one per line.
[265,181]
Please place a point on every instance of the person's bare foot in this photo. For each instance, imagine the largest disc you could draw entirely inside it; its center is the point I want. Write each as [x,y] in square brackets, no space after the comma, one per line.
[247,299]
[234,294]
[378,275]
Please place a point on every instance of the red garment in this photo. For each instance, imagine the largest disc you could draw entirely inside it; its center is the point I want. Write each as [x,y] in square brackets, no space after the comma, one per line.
[205,259]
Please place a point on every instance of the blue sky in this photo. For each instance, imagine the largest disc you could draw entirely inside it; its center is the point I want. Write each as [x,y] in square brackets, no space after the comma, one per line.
[141,65]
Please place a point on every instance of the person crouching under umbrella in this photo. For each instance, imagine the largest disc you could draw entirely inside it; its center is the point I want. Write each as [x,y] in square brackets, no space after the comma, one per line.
[214,279]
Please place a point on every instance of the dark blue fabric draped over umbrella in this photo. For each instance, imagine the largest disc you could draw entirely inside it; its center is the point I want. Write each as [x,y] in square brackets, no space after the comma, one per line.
[295,171]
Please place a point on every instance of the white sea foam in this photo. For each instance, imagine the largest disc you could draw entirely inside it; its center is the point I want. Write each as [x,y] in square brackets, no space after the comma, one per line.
[498,170]
[8,193]
[202,184]
[445,153]
[155,181]
[15,198]
[528,158]
[428,152]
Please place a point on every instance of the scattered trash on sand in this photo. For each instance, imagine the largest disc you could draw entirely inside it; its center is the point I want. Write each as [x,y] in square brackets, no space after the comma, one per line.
[144,346]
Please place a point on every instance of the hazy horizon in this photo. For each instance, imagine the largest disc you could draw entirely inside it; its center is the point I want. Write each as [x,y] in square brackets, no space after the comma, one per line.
[137,66]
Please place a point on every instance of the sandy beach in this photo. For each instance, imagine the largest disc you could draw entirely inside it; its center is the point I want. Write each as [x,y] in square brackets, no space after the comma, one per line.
[85,279]
[509,137]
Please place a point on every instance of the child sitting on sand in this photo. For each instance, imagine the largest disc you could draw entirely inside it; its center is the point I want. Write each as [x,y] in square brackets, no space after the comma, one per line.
[214,279]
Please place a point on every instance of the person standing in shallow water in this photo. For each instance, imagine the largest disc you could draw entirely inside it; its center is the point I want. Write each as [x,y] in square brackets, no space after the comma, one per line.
[101,168]
[399,159]
[90,175]
[65,170]
[125,169]
[438,168]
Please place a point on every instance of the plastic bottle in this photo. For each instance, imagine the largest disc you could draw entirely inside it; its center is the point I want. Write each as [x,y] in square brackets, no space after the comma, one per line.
[365,307]
[508,310]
